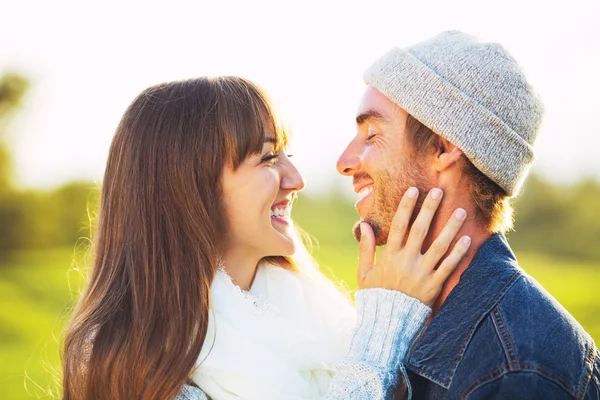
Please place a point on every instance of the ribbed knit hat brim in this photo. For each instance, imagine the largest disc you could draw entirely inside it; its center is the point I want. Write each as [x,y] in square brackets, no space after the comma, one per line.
[489,142]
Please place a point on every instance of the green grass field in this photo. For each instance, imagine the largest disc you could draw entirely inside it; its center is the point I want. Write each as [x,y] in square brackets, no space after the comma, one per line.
[37,289]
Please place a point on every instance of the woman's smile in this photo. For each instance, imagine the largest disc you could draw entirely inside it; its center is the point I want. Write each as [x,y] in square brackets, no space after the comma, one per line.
[281,212]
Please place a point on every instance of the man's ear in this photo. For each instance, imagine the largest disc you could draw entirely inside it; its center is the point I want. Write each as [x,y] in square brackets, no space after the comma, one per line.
[447,157]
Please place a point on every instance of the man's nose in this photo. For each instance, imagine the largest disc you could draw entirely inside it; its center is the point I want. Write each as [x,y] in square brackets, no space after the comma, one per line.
[350,161]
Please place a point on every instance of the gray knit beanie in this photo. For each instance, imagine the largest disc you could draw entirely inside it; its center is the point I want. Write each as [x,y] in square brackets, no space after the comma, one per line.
[473,94]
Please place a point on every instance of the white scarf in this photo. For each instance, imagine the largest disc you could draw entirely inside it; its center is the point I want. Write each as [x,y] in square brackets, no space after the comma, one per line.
[276,340]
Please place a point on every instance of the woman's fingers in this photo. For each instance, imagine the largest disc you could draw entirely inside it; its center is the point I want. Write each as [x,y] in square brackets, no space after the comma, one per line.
[441,244]
[451,262]
[401,219]
[420,227]
[366,251]
[402,267]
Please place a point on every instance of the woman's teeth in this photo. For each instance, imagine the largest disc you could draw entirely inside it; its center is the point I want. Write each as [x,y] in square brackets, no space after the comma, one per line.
[281,212]
[364,192]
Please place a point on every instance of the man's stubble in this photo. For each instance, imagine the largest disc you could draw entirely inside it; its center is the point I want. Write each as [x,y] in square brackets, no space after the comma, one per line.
[389,187]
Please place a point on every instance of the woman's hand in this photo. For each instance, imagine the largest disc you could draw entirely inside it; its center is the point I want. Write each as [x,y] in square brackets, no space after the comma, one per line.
[401,266]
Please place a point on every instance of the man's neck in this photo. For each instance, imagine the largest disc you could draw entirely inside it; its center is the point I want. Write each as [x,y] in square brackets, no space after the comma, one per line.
[470,228]
[454,278]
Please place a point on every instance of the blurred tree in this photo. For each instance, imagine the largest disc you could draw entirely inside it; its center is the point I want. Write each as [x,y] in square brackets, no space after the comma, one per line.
[584,220]
[560,220]
[33,219]
[12,89]
[540,214]
[77,204]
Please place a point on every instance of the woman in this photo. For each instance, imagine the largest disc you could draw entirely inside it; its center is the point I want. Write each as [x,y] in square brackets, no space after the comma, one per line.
[198,277]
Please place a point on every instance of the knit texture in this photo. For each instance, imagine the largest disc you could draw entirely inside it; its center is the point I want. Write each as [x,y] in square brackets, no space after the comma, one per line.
[387,326]
[471,93]
[388,323]
[390,318]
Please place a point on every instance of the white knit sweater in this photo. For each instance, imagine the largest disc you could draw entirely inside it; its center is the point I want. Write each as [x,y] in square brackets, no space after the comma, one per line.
[388,322]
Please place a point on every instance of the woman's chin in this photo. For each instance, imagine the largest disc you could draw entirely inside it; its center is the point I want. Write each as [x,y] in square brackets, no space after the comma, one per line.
[288,248]
[282,238]
[285,246]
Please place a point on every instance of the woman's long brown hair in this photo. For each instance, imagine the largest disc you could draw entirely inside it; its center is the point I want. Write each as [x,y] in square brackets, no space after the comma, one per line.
[141,321]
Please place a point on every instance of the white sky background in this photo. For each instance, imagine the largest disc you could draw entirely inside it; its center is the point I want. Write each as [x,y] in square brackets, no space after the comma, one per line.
[87,64]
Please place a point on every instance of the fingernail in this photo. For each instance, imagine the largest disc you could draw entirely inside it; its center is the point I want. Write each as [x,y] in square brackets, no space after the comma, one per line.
[412,192]
[362,230]
[436,193]
[460,214]
[466,241]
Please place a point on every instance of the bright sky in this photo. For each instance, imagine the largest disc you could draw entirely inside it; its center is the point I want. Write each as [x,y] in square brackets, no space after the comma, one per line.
[87,63]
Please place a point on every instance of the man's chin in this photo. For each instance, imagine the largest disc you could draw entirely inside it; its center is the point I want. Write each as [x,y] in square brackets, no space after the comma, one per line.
[381,239]
[356,231]
[380,234]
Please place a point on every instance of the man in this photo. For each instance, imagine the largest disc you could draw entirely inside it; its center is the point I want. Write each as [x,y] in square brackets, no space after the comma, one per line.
[457,114]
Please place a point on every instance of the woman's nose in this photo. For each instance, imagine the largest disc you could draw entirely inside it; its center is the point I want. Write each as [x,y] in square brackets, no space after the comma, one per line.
[292,179]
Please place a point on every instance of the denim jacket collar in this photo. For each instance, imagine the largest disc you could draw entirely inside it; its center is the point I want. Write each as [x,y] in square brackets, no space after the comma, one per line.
[439,350]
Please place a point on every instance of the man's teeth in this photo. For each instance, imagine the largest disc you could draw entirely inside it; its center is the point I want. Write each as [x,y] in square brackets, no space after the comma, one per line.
[364,192]
[281,212]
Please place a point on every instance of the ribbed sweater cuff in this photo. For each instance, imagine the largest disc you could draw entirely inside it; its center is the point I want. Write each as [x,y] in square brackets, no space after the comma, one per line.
[388,323]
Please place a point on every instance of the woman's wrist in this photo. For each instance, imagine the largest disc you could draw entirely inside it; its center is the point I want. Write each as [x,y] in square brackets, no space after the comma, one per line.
[388,322]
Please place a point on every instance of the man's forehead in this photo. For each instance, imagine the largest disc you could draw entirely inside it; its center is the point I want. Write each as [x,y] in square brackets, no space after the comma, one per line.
[375,107]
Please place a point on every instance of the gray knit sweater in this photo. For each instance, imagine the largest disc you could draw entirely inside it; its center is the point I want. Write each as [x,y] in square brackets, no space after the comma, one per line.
[388,322]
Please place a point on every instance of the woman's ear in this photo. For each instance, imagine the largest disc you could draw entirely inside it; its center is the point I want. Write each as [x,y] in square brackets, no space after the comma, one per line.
[448,155]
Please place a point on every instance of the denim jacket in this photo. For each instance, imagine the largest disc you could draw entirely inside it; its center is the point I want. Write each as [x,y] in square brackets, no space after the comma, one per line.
[500,335]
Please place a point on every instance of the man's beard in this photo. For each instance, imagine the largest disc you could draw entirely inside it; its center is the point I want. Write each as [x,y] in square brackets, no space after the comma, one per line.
[387,193]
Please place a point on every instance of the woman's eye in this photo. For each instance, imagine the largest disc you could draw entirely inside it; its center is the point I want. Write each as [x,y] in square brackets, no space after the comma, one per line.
[371,137]
[270,157]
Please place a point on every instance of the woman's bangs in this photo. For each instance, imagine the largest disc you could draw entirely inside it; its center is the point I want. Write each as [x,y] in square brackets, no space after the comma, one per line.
[276,129]
[256,126]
